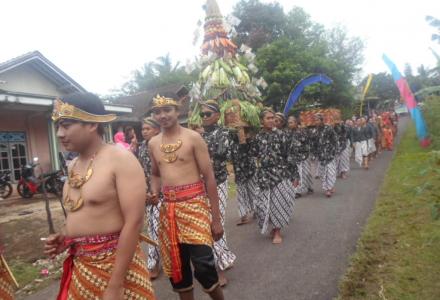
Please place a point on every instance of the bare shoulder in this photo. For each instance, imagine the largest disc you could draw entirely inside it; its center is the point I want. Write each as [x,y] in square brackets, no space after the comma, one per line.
[154,141]
[192,135]
[118,156]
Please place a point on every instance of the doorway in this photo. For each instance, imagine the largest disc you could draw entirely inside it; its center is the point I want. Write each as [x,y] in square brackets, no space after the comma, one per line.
[13,153]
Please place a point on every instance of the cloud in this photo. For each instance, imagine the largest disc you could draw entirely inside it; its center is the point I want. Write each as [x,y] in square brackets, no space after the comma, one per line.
[99,43]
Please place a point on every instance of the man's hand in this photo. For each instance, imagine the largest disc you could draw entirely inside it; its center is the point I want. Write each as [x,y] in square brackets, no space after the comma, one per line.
[241,136]
[152,199]
[113,293]
[295,183]
[216,230]
[54,245]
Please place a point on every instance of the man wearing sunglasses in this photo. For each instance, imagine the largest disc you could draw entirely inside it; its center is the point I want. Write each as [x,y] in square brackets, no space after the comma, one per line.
[219,143]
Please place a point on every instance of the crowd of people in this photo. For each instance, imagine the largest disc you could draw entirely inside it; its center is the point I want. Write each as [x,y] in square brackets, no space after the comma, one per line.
[179,178]
[274,166]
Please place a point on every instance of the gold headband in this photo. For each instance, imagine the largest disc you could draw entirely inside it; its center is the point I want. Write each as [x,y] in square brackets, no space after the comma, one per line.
[160,101]
[63,110]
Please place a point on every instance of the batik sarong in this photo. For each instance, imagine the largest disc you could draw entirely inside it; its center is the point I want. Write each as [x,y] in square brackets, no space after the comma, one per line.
[328,175]
[88,268]
[343,163]
[246,194]
[7,282]
[224,257]
[306,175]
[274,206]
[185,218]
[299,188]
[152,212]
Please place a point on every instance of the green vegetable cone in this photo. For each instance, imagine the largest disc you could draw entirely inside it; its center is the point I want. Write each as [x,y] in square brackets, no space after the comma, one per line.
[225,76]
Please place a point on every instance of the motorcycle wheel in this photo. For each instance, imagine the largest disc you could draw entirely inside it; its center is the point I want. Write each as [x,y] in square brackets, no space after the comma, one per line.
[24,191]
[5,190]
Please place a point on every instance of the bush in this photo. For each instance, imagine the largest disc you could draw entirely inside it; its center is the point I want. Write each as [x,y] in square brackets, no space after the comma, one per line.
[431,111]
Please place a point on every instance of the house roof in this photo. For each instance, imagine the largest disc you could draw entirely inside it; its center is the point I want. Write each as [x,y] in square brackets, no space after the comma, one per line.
[40,63]
[142,101]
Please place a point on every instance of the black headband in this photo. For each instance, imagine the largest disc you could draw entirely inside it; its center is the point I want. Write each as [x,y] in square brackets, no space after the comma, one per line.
[151,122]
[212,107]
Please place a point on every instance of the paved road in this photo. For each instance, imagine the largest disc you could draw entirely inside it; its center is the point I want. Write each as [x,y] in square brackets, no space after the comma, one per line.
[316,249]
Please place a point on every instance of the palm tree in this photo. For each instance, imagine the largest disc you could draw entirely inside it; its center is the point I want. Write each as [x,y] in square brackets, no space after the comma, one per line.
[164,66]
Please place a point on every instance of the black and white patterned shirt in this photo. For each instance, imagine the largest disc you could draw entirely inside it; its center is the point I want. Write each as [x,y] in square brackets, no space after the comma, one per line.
[300,143]
[270,148]
[219,143]
[324,143]
[343,134]
[244,163]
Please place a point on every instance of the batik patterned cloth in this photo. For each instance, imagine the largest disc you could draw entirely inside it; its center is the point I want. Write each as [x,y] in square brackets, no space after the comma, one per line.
[88,269]
[182,222]
[326,147]
[306,176]
[301,143]
[328,175]
[145,160]
[7,287]
[343,161]
[276,195]
[342,134]
[325,143]
[224,258]
[270,149]
[246,195]
[306,165]
[220,144]
[152,211]
[274,206]
[244,171]
[243,163]
[298,151]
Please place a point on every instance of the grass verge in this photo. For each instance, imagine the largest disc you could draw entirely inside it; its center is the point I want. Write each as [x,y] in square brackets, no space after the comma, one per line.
[397,255]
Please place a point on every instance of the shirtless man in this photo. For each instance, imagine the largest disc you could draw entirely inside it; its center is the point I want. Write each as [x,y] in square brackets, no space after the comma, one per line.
[105,198]
[181,167]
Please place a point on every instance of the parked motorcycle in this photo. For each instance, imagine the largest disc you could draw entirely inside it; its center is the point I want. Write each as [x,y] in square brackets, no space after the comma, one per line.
[29,184]
[5,186]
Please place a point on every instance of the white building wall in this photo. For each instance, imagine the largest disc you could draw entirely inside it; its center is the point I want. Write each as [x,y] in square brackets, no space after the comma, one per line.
[25,79]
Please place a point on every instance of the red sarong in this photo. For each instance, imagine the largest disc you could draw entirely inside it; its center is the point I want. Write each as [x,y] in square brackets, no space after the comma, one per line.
[87,270]
[184,218]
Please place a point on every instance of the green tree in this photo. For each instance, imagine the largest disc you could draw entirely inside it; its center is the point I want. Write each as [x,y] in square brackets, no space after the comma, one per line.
[261,23]
[287,60]
[382,87]
[155,74]
[290,46]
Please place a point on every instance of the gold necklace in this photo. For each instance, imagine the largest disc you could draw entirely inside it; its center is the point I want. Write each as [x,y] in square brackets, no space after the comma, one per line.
[77,181]
[169,151]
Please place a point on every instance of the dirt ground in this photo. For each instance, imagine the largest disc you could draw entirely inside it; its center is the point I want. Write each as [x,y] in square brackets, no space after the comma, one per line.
[23,222]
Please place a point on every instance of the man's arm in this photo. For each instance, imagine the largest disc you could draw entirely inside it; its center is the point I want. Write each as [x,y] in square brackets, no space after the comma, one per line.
[130,187]
[203,161]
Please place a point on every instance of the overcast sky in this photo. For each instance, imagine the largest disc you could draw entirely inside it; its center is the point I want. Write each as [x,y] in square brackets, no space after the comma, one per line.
[98,43]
